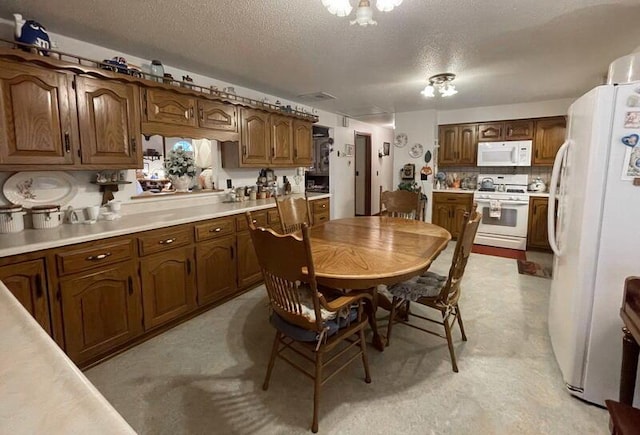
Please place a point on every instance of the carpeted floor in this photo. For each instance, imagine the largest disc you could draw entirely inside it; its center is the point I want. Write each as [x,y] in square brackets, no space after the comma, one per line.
[205,376]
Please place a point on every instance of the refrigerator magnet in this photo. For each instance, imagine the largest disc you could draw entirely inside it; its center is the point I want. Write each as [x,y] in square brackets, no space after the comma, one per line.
[631,140]
[633,100]
[632,120]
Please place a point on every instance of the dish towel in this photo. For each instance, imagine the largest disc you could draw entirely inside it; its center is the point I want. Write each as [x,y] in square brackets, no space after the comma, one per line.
[495,209]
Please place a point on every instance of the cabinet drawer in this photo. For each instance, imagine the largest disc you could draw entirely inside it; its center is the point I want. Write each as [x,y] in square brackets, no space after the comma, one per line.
[453,198]
[165,239]
[320,205]
[97,255]
[260,218]
[319,218]
[214,228]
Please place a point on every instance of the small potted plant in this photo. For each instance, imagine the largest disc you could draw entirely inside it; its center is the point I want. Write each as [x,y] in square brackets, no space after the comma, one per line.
[180,168]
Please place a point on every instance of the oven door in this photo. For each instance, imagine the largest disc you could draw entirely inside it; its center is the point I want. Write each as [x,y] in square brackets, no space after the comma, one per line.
[514,216]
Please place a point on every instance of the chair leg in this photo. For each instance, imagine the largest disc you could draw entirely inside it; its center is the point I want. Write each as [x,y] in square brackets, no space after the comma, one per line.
[447,330]
[272,360]
[317,384]
[392,316]
[365,360]
[464,336]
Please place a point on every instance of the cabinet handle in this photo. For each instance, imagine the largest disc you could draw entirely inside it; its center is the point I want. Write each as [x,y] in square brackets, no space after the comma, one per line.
[295,153]
[67,142]
[215,230]
[167,241]
[253,221]
[232,253]
[191,112]
[133,145]
[201,114]
[244,150]
[188,267]
[98,257]
[130,282]
[39,291]
[273,151]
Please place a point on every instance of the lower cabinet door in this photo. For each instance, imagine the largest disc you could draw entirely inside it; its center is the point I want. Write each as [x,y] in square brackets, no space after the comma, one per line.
[100,311]
[26,281]
[168,285]
[216,269]
[248,267]
[458,220]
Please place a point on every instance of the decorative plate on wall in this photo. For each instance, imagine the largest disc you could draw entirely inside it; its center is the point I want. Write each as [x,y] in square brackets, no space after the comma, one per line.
[401,140]
[416,150]
[30,189]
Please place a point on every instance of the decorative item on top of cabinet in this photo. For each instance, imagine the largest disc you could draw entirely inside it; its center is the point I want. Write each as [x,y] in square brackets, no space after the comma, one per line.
[38,125]
[549,136]
[449,210]
[537,233]
[458,144]
[27,281]
[109,115]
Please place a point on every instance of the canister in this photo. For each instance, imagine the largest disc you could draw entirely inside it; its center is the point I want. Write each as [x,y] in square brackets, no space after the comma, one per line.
[46,216]
[11,219]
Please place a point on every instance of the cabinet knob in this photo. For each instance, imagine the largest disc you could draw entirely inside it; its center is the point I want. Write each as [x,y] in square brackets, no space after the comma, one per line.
[215,230]
[167,241]
[98,257]
[67,142]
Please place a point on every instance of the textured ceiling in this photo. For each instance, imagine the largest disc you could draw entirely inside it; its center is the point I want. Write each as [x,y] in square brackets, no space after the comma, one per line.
[503,51]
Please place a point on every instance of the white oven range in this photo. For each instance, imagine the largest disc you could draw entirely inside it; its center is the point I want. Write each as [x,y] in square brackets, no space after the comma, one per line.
[504,210]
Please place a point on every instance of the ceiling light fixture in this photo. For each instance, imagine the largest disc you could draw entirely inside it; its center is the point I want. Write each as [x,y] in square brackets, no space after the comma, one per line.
[364,13]
[441,82]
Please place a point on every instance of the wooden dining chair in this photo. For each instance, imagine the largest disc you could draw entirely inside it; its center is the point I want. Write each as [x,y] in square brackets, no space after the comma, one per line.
[436,291]
[319,330]
[293,213]
[400,203]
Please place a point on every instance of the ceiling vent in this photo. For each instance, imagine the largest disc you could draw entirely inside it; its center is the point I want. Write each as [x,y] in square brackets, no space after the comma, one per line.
[316,96]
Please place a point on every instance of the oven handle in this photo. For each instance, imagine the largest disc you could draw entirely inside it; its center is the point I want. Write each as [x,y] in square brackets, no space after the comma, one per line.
[504,201]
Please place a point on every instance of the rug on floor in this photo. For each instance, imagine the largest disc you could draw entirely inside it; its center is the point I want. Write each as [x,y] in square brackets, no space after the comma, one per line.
[534,269]
[499,252]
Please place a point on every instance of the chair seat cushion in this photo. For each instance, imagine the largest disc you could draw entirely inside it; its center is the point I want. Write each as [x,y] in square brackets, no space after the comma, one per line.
[427,285]
[301,334]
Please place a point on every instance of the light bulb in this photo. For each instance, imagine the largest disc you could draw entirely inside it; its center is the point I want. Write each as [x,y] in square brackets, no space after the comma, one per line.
[340,8]
[387,5]
[428,91]
[448,90]
[364,16]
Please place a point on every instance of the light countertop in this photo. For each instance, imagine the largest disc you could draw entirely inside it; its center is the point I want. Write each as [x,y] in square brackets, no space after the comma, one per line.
[31,240]
[41,390]
[537,194]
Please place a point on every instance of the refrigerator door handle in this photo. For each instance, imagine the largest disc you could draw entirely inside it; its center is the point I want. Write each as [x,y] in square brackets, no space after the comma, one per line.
[551,209]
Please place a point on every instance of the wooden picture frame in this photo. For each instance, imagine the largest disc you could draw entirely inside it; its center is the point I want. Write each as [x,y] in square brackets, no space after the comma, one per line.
[348,150]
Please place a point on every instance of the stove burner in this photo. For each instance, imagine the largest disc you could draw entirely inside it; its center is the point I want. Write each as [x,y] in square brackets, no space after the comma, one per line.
[486,189]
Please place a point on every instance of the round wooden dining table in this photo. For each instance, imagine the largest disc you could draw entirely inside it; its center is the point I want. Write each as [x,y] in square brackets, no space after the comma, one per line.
[360,253]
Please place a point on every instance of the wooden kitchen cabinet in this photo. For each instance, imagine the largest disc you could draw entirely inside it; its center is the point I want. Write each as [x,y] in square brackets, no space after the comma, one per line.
[458,144]
[100,310]
[27,282]
[449,209]
[537,233]
[168,285]
[215,115]
[281,140]
[302,143]
[518,129]
[320,208]
[248,269]
[168,107]
[109,116]
[255,137]
[549,136]
[491,132]
[38,121]
[216,269]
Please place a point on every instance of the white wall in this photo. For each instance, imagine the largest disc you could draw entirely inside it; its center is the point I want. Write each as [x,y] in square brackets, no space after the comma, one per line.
[508,111]
[420,127]
[341,171]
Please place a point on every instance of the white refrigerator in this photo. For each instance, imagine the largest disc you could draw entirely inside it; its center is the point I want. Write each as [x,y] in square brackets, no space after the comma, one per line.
[595,238]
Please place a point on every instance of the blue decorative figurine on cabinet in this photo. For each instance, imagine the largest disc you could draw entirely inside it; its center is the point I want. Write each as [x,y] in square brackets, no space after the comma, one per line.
[31,32]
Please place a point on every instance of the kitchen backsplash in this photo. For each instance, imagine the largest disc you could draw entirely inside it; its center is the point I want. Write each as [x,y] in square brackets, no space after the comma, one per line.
[533,172]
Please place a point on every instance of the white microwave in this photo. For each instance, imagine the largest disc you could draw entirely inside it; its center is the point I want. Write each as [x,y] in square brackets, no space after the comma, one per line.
[512,153]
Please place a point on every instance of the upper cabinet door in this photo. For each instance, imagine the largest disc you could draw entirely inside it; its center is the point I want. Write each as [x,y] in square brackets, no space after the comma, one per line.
[468,144]
[282,140]
[36,122]
[518,130]
[491,132]
[302,143]
[217,116]
[255,137]
[448,141]
[169,107]
[109,122]
[550,134]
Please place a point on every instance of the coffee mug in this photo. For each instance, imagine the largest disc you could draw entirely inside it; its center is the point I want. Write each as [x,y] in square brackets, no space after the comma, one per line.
[115,206]
[92,212]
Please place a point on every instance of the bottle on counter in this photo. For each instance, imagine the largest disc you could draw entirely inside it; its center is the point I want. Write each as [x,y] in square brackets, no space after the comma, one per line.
[157,70]
[286,186]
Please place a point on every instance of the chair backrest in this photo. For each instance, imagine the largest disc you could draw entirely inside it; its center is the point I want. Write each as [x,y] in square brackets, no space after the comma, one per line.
[400,203]
[289,275]
[293,212]
[451,290]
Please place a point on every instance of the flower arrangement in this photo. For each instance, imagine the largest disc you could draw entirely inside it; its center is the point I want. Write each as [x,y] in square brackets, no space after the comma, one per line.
[179,163]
